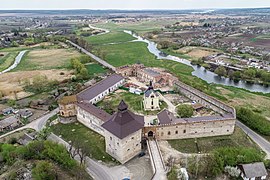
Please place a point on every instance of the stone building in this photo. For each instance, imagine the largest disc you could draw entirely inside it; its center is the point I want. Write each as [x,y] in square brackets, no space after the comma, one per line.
[67,106]
[123,134]
[151,99]
[171,127]
[97,92]
[159,77]
[92,116]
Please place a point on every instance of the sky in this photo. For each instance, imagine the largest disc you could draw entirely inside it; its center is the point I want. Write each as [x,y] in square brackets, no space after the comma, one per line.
[130,4]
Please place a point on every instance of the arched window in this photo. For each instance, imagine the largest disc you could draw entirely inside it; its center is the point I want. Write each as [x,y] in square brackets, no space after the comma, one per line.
[184,131]
[169,132]
[176,132]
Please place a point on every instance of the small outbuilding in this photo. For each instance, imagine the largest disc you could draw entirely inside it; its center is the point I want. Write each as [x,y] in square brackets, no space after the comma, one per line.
[25,113]
[253,171]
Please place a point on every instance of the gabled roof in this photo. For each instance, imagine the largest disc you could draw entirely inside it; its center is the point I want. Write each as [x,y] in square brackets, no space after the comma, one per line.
[253,170]
[93,91]
[95,111]
[124,122]
[150,90]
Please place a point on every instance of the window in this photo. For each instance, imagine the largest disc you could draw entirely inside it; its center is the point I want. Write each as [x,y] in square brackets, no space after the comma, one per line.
[169,132]
[137,144]
[162,133]
[184,131]
[176,132]
[118,144]
[128,149]
[110,138]
[132,138]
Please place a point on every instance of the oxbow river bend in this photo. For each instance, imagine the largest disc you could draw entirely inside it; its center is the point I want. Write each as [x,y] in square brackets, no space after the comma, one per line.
[201,72]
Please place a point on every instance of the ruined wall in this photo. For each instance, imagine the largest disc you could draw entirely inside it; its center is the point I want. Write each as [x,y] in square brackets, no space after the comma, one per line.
[204,99]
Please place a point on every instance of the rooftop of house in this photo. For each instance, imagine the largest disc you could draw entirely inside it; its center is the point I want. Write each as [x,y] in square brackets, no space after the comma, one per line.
[9,121]
[25,112]
[92,109]
[124,122]
[68,100]
[93,91]
[253,170]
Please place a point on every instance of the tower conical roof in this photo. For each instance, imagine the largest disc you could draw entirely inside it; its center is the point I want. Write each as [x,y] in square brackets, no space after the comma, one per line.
[122,106]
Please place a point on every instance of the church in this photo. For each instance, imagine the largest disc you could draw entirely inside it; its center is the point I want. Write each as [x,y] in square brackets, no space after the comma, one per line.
[151,99]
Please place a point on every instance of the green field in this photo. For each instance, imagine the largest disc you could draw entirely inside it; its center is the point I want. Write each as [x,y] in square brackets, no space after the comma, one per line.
[44,59]
[93,143]
[112,37]
[208,144]
[8,60]
[95,69]
[134,102]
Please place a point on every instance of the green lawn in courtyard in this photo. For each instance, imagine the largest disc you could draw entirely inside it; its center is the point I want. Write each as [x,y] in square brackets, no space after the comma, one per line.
[95,69]
[93,143]
[207,144]
[111,37]
[134,101]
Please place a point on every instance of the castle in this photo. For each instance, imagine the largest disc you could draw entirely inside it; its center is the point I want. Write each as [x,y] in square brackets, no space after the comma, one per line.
[124,130]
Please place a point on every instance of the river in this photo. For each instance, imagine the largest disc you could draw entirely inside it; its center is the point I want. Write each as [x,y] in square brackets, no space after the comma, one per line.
[201,72]
[16,62]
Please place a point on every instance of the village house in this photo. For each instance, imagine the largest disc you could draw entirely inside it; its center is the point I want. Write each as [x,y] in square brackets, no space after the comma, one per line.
[253,171]
[123,134]
[9,123]
[7,111]
[25,113]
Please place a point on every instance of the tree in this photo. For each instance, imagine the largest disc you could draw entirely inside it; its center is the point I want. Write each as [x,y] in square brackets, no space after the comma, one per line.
[185,111]
[14,44]
[221,71]
[164,44]
[44,170]
[84,73]
[249,73]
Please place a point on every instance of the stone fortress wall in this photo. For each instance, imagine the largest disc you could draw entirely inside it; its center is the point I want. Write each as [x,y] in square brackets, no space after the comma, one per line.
[183,128]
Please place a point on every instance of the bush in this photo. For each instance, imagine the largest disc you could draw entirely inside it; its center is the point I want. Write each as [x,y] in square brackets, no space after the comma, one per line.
[44,170]
[185,111]
[232,156]
[254,120]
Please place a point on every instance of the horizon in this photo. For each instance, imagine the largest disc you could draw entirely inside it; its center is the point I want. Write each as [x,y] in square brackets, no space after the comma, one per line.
[131,4]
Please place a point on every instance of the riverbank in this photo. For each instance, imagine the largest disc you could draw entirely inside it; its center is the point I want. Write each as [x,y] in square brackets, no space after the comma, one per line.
[199,71]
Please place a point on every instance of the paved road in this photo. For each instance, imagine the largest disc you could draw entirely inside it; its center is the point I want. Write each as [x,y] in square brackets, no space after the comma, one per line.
[95,169]
[157,159]
[16,62]
[37,124]
[263,143]
[99,60]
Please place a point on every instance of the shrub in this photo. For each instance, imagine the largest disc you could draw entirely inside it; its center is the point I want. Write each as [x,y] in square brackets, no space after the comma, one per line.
[44,170]
[185,111]
[254,120]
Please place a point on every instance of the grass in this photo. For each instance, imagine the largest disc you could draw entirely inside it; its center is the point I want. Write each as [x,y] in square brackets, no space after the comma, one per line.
[42,59]
[112,37]
[8,60]
[134,102]
[95,69]
[93,143]
[208,144]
